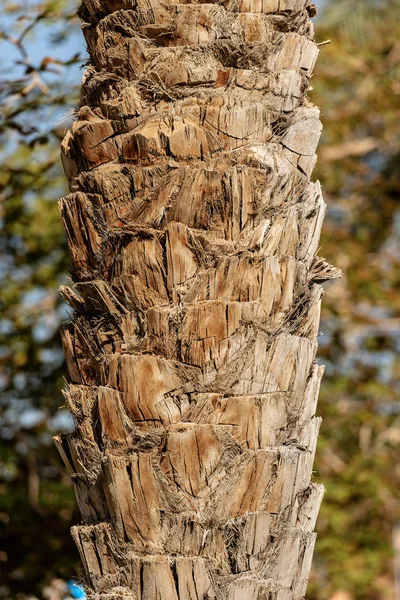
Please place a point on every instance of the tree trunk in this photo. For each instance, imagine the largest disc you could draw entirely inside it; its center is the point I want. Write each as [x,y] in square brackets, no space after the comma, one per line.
[192,226]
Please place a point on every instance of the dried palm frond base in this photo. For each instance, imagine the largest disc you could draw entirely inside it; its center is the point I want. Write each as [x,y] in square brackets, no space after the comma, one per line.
[193,226]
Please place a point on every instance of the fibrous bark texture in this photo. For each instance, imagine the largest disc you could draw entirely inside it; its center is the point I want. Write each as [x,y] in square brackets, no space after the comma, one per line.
[192,226]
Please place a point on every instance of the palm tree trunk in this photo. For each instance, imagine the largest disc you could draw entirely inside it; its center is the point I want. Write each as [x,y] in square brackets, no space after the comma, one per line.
[192,226]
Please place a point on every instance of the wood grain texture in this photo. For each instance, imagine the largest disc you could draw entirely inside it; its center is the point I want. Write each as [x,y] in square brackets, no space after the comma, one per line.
[192,226]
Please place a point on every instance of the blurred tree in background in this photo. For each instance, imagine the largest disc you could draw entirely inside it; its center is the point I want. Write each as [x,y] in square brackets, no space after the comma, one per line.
[36,92]
[357,84]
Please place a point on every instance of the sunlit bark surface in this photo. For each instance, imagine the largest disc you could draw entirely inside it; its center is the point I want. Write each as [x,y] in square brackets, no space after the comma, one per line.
[192,226]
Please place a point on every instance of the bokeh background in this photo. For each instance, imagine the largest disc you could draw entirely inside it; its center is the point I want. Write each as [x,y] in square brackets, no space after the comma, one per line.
[357,86]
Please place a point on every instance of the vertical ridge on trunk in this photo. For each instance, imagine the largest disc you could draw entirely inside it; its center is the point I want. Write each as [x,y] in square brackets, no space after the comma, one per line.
[192,226]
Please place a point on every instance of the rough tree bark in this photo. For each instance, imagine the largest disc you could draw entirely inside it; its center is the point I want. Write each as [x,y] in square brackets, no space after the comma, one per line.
[192,226]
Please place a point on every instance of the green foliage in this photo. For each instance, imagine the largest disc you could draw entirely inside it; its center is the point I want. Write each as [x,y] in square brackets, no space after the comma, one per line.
[36,499]
[357,87]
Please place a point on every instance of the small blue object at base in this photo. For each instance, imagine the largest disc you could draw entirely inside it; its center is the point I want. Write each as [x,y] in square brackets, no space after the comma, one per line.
[75,590]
